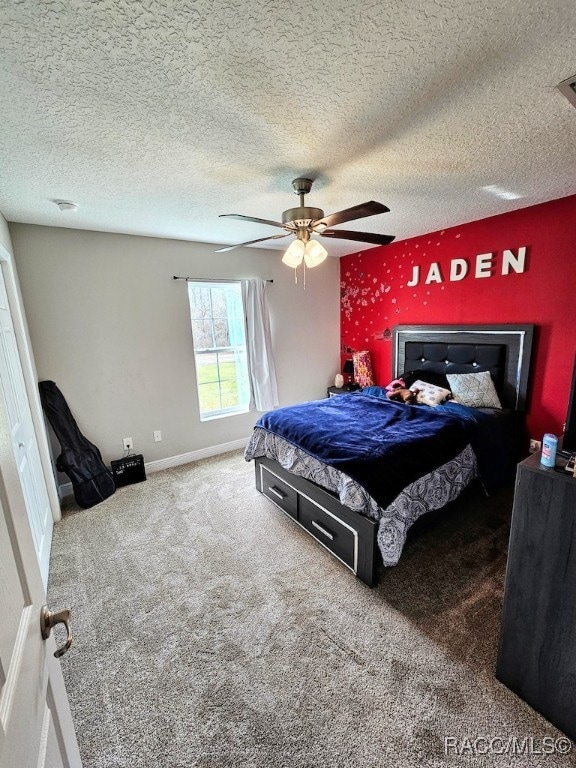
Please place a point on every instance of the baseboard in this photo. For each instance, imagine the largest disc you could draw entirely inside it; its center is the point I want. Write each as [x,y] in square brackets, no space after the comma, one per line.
[203,453]
[175,461]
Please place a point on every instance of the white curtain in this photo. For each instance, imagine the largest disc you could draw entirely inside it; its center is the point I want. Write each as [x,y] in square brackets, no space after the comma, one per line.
[261,370]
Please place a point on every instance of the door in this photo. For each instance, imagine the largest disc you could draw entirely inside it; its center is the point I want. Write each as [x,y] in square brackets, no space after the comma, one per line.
[23,436]
[36,729]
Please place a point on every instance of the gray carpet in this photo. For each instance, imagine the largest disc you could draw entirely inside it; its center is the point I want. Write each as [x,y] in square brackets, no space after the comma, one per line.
[211,631]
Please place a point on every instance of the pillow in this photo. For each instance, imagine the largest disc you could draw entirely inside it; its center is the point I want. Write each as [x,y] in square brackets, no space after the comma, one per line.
[429,394]
[476,390]
[431,377]
[394,385]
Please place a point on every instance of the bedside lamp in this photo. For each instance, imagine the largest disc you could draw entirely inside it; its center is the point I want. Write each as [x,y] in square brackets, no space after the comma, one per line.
[348,370]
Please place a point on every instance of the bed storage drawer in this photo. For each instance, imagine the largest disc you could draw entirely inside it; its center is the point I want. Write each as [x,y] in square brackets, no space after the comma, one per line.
[280,493]
[348,535]
[335,534]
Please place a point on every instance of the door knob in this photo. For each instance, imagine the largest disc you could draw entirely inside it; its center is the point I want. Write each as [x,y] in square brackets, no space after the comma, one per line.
[49,619]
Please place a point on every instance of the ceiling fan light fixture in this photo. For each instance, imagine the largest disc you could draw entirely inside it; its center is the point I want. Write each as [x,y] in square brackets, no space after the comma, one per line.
[294,254]
[314,254]
[304,221]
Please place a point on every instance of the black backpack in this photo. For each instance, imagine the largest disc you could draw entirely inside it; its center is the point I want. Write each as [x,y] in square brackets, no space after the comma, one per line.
[80,459]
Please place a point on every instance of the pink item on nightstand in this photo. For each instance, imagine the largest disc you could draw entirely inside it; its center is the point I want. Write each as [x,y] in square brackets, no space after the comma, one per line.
[363,369]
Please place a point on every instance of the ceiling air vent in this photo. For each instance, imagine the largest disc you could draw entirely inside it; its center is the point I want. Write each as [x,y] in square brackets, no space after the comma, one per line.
[568,88]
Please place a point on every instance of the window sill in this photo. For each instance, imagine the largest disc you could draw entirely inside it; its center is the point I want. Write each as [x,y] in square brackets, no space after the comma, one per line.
[223,414]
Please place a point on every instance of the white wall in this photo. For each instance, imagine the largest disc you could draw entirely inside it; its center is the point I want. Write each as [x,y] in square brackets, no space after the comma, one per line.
[112,329]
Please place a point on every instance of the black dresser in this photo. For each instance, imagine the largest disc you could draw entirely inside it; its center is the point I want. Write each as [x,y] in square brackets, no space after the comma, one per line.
[537,653]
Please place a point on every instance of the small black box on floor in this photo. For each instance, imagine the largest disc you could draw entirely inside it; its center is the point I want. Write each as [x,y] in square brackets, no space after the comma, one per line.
[128,470]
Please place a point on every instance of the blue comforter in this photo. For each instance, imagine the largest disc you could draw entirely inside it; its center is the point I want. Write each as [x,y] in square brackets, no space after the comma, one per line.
[381,444]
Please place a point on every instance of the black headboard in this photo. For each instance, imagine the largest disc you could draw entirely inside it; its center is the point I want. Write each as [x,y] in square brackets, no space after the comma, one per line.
[505,351]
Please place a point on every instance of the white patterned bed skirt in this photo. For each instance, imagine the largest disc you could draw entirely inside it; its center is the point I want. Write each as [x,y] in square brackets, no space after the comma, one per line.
[430,492]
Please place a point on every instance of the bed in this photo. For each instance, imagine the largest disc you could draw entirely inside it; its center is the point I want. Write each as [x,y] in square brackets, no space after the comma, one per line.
[357,470]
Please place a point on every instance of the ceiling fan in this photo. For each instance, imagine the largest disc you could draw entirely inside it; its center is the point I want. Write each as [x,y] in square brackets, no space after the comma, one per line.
[302,222]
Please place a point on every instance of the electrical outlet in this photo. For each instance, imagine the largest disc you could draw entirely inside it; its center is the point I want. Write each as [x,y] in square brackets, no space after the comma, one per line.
[535,445]
[128,444]
[157,436]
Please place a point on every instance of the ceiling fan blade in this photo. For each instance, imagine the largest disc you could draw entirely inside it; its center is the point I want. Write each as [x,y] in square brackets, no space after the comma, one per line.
[363,237]
[371,208]
[251,218]
[259,240]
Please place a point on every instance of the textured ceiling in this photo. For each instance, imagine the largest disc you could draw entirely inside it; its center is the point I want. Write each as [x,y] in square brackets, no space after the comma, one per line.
[156,116]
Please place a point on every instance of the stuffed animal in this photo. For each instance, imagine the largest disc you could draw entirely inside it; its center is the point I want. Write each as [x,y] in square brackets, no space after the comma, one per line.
[402,394]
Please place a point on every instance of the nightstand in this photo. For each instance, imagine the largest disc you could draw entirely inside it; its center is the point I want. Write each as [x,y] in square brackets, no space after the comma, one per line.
[333,391]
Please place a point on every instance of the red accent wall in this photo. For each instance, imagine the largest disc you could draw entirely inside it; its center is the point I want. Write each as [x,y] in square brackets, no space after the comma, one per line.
[375,295]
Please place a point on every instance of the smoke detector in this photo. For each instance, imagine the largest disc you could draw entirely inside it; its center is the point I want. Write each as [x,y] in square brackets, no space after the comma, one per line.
[66,205]
[568,88]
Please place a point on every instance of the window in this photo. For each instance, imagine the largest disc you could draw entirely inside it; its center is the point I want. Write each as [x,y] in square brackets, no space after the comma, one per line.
[219,342]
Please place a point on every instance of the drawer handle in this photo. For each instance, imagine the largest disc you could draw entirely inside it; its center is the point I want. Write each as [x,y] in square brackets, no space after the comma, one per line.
[323,530]
[276,492]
